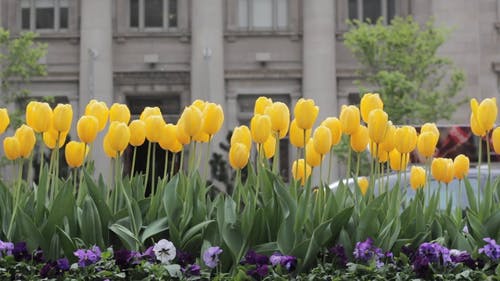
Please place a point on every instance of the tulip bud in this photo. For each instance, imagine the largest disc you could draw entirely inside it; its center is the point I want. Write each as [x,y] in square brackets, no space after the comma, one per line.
[191,121]
[270,147]
[12,148]
[242,135]
[280,118]
[50,137]
[301,170]
[322,140]
[363,185]
[153,123]
[297,135]
[417,177]
[182,136]
[177,145]
[387,144]
[450,171]
[31,113]
[398,161]
[461,166]
[382,155]
[99,110]
[473,106]
[26,137]
[63,116]
[495,139]
[487,113]
[119,112]
[333,124]
[260,127]
[305,112]
[368,103]
[476,127]
[4,120]
[118,136]
[137,132]
[360,139]
[148,111]
[238,156]
[377,125]
[261,104]
[426,143]
[75,153]
[166,140]
[313,158]
[200,104]
[430,127]
[201,137]
[442,169]
[106,145]
[87,128]
[213,117]
[40,116]
[349,119]
[405,139]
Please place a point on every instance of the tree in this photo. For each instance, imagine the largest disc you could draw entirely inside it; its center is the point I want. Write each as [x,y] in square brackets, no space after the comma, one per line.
[400,62]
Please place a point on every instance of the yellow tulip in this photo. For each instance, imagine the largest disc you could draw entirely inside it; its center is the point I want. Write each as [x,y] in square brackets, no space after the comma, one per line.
[75,153]
[305,112]
[40,116]
[322,140]
[382,155]
[487,112]
[387,144]
[398,161]
[153,123]
[199,104]
[118,136]
[137,132]
[201,137]
[4,120]
[368,103]
[63,116]
[260,127]
[313,158]
[87,128]
[50,137]
[119,112]
[280,118]
[495,139]
[148,111]
[301,170]
[238,156]
[12,148]
[476,127]
[442,169]
[213,117]
[177,145]
[430,127]
[191,121]
[417,177]
[26,137]
[473,106]
[349,119]
[99,110]
[377,125]
[297,135]
[405,139]
[360,139]
[242,135]
[270,147]
[108,150]
[333,124]
[461,166]
[168,140]
[363,185]
[450,171]
[426,143]
[261,104]
[181,134]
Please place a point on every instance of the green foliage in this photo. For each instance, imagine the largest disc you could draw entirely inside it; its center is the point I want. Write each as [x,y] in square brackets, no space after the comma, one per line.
[400,62]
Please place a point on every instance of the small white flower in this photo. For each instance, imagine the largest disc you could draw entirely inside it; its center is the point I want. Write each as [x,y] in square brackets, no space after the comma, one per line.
[164,251]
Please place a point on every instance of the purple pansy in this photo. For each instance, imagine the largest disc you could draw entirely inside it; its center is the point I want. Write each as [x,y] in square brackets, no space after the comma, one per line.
[88,257]
[55,268]
[365,251]
[6,248]
[20,251]
[339,256]
[211,256]
[288,262]
[191,270]
[259,272]
[491,249]
[254,258]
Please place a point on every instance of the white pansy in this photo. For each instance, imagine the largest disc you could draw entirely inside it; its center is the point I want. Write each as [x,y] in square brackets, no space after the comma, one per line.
[164,251]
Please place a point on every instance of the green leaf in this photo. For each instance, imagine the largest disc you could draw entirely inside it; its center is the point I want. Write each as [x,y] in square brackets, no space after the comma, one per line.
[194,231]
[125,235]
[154,228]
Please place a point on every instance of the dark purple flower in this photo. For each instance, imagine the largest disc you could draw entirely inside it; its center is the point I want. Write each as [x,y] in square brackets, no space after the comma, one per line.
[259,272]
[365,251]
[491,249]
[435,253]
[191,270]
[20,252]
[462,257]
[421,266]
[184,258]
[339,256]
[122,257]
[45,270]
[63,264]
[6,247]
[288,262]
[211,256]
[38,256]
[88,257]
[55,268]
[149,255]
[253,258]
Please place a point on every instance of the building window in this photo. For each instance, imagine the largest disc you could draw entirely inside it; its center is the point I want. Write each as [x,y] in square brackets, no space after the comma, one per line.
[41,15]
[263,14]
[372,10]
[153,14]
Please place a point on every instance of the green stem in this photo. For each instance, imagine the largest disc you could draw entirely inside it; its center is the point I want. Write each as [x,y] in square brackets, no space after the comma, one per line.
[172,165]
[330,165]
[207,162]
[153,170]
[305,155]
[166,165]
[147,164]
[132,171]
[41,163]
[181,164]
[479,158]
[358,159]
[17,194]
[30,170]
[276,158]
[348,169]
[488,155]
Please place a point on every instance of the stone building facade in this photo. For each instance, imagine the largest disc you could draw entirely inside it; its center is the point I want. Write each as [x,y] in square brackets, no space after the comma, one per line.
[171,52]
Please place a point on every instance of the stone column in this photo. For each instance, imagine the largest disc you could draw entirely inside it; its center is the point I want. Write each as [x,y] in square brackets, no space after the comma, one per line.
[96,66]
[207,57]
[319,81]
